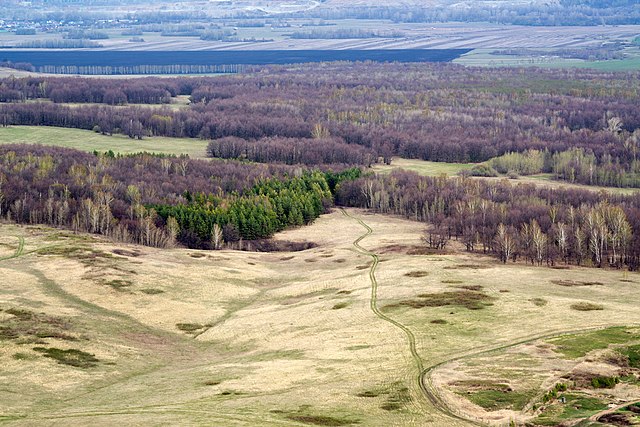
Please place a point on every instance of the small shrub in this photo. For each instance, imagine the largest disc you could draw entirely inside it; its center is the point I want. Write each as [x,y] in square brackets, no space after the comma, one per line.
[483,171]
[604,382]
[339,305]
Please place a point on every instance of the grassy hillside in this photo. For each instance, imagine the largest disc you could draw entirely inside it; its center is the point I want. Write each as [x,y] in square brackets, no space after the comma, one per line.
[97,332]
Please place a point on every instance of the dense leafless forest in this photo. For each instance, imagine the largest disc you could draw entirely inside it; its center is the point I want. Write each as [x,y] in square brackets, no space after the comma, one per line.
[361,112]
[319,123]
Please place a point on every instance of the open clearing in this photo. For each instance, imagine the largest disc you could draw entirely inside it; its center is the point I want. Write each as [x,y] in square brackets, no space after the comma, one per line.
[428,168]
[86,140]
[101,333]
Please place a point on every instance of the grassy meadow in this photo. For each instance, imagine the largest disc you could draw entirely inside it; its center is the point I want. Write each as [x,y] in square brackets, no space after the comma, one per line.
[89,141]
[99,332]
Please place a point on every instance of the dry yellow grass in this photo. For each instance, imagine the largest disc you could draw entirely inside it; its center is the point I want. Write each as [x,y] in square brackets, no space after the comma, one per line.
[236,338]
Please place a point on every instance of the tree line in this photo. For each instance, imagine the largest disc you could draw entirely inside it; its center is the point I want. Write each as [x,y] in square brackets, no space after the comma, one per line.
[542,226]
[576,165]
[437,112]
[160,200]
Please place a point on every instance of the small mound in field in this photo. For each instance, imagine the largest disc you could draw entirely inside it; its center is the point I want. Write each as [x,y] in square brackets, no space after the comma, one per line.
[572,283]
[586,306]
[439,322]
[471,300]
[419,273]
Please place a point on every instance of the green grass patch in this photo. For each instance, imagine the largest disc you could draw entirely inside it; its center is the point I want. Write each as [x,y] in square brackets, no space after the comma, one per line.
[577,406]
[586,306]
[469,299]
[306,415]
[495,400]
[86,140]
[632,353]
[423,167]
[321,420]
[70,357]
[23,356]
[575,346]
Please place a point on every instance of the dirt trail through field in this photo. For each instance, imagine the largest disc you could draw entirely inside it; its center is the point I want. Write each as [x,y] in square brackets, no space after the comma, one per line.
[19,251]
[411,339]
[596,417]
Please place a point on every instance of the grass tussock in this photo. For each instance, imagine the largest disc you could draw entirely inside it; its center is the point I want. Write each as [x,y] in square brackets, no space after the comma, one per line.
[439,322]
[152,291]
[471,300]
[539,302]
[190,328]
[397,398]
[586,306]
[119,285]
[573,283]
[340,305]
[29,327]
[71,357]
[417,273]
[124,252]
[578,345]
[467,267]
[470,287]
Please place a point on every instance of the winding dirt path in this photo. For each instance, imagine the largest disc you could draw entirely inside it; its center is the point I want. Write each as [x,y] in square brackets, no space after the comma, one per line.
[19,250]
[423,381]
[418,382]
[595,417]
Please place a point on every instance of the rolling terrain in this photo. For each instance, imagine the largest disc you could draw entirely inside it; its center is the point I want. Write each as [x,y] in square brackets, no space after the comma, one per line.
[318,337]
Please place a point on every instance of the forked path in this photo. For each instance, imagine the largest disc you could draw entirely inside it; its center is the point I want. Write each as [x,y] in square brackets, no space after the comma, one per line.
[411,339]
